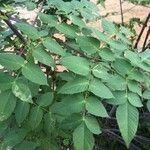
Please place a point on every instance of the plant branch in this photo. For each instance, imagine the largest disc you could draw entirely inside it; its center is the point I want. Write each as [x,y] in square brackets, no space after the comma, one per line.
[142,30]
[121,11]
[145,41]
[10,25]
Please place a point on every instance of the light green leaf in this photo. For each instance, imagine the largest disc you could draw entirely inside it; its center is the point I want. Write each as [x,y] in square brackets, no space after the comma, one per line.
[92,124]
[22,91]
[33,73]
[83,138]
[36,115]
[99,89]
[134,99]
[28,30]
[136,75]
[100,71]
[109,26]
[88,44]
[7,104]
[101,36]
[95,107]
[127,119]
[21,111]
[122,66]
[76,64]
[134,87]
[146,94]
[42,56]
[11,61]
[120,97]
[45,99]
[68,30]
[77,21]
[51,20]
[116,82]
[106,54]
[148,105]
[53,46]
[30,6]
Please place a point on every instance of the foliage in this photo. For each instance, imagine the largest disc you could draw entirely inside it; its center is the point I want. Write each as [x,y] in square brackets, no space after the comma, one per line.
[41,108]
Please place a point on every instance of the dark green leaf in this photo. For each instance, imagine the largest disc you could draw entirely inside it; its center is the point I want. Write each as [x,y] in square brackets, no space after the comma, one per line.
[53,46]
[11,61]
[127,118]
[76,64]
[21,111]
[7,104]
[99,89]
[33,73]
[95,107]
[83,138]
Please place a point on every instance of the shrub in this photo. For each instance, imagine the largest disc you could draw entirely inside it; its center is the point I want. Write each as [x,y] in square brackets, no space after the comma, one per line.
[42,108]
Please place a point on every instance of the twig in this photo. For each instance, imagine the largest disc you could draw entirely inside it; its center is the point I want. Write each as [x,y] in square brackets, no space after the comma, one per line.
[10,25]
[145,41]
[121,11]
[142,30]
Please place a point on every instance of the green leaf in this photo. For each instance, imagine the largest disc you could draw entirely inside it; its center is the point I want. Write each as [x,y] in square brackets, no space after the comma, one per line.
[109,26]
[76,64]
[69,105]
[134,87]
[33,73]
[134,99]
[54,47]
[36,115]
[7,104]
[21,111]
[83,138]
[127,119]
[88,44]
[136,75]
[5,81]
[71,122]
[13,138]
[75,86]
[42,56]
[99,89]
[26,145]
[122,66]
[100,71]
[118,46]
[11,61]
[51,20]
[146,94]
[148,105]
[30,6]
[116,82]
[101,36]
[22,91]
[106,54]
[66,29]
[45,99]
[77,21]
[28,30]
[92,124]
[120,97]
[95,107]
